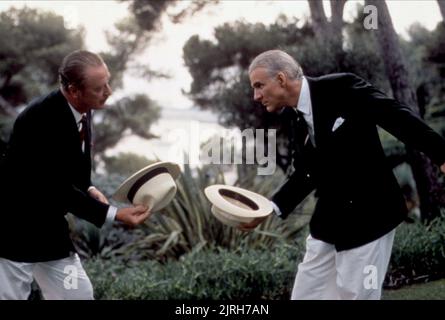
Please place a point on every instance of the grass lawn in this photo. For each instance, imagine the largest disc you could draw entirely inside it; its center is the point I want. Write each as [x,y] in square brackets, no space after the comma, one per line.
[434,290]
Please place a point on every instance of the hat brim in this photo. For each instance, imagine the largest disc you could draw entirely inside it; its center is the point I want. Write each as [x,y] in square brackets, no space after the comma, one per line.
[254,205]
[121,193]
[228,219]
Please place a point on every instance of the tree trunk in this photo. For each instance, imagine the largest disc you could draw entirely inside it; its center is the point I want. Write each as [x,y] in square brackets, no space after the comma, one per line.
[441,4]
[335,32]
[337,7]
[319,20]
[424,172]
[329,33]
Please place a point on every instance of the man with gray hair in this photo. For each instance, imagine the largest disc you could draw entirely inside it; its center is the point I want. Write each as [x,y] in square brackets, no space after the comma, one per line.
[336,150]
[46,174]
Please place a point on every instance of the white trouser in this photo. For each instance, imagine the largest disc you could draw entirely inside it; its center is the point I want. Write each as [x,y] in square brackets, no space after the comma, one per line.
[326,274]
[57,279]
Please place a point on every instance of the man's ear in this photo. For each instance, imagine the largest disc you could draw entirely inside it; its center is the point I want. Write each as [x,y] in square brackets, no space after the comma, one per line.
[73,91]
[282,79]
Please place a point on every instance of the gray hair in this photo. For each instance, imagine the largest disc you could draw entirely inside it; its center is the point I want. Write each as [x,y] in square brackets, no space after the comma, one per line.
[72,70]
[275,61]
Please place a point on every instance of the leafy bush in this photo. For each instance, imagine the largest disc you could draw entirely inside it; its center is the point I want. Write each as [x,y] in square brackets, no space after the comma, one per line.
[418,253]
[262,273]
[221,274]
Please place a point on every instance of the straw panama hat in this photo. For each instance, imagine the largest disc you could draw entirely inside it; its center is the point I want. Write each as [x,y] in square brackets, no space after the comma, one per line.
[153,186]
[234,206]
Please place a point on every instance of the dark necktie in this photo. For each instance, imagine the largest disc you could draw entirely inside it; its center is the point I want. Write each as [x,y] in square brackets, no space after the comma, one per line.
[85,138]
[83,128]
[301,130]
[300,143]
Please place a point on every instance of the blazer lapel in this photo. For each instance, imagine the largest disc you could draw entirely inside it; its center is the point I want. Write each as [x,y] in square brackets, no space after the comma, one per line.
[69,124]
[323,116]
[67,119]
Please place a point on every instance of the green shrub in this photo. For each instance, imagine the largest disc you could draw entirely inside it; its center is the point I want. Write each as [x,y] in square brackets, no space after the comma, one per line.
[418,253]
[209,274]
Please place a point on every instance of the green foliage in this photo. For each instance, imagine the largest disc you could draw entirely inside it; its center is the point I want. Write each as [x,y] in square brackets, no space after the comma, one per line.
[418,253]
[127,41]
[125,164]
[32,48]
[220,81]
[362,53]
[262,273]
[436,48]
[434,290]
[6,124]
[221,274]
[131,115]
[33,45]
[149,12]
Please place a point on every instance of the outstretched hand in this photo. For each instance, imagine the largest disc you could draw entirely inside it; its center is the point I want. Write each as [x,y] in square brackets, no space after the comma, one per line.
[133,216]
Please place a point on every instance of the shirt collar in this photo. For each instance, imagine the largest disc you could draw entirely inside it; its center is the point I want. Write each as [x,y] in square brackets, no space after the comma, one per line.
[77,114]
[304,100]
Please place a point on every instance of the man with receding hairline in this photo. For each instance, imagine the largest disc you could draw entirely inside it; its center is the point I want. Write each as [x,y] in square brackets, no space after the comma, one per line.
[336,150]
[46,174]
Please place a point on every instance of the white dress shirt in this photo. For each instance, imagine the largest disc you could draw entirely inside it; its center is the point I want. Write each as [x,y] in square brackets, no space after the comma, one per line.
[304,105]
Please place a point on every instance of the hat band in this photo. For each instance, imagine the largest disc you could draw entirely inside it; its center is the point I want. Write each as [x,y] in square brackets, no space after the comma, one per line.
[239,197]
[142,180]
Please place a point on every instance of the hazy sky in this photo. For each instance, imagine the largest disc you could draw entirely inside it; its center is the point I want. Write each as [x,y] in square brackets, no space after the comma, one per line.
[165,53]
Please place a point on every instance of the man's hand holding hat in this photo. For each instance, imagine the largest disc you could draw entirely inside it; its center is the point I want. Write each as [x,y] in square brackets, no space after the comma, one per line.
[149,190]
[133,216]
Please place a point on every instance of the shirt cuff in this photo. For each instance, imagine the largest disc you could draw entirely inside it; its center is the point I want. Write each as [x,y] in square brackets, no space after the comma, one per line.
[111,215]
[275,208]
[91,187]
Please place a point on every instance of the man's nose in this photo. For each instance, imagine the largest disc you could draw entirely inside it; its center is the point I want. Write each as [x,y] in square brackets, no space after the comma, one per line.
[257,96]
[108,90]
